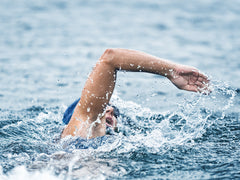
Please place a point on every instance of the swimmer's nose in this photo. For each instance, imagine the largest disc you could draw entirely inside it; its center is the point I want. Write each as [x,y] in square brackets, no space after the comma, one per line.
[110,111]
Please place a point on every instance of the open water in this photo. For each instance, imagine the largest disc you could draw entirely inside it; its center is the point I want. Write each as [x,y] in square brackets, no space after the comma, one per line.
[48,48]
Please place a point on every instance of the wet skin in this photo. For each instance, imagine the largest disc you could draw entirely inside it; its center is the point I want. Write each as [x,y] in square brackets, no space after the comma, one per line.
[91,117]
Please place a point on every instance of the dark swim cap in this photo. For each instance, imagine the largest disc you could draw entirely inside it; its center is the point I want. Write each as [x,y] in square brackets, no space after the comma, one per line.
[69,112]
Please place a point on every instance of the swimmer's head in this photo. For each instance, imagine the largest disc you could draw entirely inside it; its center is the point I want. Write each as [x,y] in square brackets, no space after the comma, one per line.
[111,115]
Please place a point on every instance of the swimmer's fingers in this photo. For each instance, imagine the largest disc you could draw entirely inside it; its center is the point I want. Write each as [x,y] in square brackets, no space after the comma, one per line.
[198,87]
[202,84]
[197,82]
[190,79]
[206,90]
[203,78]
[192,87]
[202,88]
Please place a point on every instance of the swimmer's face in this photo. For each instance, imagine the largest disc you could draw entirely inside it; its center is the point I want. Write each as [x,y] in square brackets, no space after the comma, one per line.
[111,120]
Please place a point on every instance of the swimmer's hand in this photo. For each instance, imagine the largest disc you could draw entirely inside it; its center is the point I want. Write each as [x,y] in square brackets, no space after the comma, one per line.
[190,79]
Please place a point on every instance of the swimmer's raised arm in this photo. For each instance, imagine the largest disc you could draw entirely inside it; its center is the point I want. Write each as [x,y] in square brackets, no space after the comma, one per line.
[184,77]
[101,82]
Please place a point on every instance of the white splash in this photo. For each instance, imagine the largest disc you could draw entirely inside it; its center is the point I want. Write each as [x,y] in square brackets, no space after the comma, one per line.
[21,173]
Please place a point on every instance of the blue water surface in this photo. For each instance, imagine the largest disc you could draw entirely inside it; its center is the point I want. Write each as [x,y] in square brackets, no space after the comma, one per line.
[47,50]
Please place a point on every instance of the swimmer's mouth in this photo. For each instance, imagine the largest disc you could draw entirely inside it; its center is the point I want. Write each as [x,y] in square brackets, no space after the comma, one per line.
[109,122]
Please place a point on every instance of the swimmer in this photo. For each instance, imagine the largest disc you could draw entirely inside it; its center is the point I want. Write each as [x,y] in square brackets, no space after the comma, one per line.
[92,113]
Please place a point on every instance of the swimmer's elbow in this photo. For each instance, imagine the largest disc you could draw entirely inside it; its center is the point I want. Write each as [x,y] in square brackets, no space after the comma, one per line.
[108,56]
